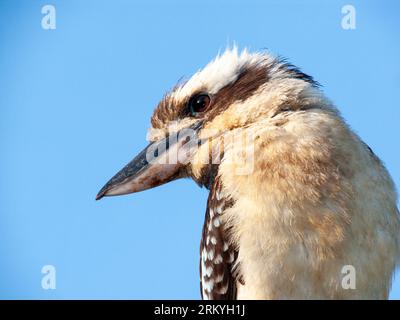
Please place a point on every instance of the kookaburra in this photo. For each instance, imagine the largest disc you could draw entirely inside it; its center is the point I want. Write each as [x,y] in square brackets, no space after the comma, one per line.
[296,198]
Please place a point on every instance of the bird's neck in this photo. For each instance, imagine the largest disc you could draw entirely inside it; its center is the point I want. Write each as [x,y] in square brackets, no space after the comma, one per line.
[207,176]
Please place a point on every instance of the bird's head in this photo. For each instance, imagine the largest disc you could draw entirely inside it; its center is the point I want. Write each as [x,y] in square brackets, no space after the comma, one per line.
[198,123]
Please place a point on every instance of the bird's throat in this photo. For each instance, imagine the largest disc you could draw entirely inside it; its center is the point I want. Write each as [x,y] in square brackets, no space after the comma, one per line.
[207,175]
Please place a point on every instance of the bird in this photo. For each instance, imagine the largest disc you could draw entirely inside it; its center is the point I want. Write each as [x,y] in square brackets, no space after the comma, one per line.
[297,201]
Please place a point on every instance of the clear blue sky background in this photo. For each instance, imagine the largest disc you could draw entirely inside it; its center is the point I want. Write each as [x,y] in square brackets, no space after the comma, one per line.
[75,104]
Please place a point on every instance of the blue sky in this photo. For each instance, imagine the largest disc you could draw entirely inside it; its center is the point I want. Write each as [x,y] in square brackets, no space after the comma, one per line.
[75,104]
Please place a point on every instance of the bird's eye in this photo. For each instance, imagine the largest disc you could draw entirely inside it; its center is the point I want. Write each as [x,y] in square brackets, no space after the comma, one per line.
[199,103]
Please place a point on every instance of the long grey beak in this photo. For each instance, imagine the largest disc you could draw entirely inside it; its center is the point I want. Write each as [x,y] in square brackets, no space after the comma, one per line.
[160,162]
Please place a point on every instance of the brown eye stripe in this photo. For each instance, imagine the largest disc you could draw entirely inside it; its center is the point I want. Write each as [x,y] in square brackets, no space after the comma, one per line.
[250,79]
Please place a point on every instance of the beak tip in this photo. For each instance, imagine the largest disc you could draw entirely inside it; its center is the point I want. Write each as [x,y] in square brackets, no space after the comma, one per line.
[101,194]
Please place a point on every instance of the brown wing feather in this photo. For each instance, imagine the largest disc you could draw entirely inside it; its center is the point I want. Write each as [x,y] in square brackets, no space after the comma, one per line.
[217,281]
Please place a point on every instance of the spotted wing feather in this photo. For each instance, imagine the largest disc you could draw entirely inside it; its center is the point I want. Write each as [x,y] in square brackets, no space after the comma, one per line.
[217,279]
